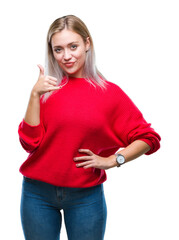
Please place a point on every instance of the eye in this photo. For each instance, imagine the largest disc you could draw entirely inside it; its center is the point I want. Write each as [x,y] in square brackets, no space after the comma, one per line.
[73,46]
[57,50]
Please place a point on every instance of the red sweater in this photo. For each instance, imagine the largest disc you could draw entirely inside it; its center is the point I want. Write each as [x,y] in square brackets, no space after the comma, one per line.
[81,116]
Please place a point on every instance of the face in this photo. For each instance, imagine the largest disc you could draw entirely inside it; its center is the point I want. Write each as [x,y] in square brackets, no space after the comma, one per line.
[69,50]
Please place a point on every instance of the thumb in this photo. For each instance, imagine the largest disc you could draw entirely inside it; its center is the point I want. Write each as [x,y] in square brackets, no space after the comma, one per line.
[41,69]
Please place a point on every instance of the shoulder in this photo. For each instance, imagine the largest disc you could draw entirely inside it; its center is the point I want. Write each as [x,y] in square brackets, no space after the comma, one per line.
[120,97]
[113,86]
[116,90]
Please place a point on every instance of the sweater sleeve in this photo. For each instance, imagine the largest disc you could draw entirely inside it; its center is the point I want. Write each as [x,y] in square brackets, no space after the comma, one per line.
[30,137]
[130,125]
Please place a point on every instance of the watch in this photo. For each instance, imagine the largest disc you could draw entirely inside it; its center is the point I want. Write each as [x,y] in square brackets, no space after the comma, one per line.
[120,159]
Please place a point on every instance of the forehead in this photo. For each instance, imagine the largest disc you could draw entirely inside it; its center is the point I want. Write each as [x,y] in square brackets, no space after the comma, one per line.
[65,37]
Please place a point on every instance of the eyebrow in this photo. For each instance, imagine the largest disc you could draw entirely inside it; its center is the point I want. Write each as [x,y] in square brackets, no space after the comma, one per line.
[67,44]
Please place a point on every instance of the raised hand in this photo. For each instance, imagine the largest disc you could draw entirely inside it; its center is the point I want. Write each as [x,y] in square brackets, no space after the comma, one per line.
[44,83]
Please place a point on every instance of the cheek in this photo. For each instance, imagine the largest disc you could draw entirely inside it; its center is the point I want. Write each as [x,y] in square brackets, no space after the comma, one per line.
[81,56]
[57,57]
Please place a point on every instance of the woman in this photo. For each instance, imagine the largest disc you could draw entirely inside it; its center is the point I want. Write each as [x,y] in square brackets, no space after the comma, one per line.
[74,125]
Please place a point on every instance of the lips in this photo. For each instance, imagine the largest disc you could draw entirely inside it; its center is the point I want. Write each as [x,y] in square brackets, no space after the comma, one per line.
[69,64]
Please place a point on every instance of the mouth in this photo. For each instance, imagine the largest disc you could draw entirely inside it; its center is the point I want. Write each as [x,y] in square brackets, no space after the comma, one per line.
[69,64]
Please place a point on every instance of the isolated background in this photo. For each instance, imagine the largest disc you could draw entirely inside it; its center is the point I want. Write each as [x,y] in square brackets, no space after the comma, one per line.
[136,45]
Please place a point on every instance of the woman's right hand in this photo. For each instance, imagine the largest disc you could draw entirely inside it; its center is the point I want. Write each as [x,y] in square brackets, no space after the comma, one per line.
[44,84]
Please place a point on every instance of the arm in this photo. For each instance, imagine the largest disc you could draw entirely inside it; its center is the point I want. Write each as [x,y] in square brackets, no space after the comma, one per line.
[131,152]
[32,116]
[134,135]
[43,85]
[31,130]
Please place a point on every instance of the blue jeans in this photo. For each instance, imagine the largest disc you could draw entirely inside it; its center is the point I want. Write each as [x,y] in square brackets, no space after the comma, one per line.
[84,211]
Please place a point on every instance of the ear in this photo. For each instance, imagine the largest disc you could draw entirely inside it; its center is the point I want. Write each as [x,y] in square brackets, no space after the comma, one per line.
[87,43]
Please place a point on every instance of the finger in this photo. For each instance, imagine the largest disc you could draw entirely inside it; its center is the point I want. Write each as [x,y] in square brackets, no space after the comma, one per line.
[82,158]
[52,82]
[53,89]
[89,166]
[41,69]
[86,151]
[84,164]
[52,78]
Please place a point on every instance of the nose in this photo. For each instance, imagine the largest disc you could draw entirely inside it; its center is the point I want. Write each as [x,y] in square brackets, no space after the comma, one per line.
[67,55]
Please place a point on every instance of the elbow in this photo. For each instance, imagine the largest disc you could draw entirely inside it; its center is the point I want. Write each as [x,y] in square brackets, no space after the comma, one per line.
[150,137]
[29,147]
[153,145]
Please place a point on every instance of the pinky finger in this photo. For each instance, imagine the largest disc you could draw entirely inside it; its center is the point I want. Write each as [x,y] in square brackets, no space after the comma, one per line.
[88,166]
[50,89]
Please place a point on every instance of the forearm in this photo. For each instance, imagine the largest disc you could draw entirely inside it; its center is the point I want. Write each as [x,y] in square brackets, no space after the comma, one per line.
[132,151]
[32,116]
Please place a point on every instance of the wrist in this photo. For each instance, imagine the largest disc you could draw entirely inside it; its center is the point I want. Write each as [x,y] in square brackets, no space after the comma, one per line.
[35,94]
[113,160]
[120,159]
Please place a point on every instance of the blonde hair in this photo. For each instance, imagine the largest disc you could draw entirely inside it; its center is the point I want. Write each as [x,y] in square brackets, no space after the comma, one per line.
[91,73]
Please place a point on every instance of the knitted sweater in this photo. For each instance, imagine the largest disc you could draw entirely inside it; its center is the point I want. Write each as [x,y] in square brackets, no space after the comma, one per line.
[81,116]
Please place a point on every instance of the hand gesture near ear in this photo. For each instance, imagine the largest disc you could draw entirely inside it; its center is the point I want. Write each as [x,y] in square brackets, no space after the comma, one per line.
[44,83]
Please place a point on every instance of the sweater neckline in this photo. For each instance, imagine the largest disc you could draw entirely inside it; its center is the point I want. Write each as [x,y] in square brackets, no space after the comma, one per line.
[75,78]
[66,80]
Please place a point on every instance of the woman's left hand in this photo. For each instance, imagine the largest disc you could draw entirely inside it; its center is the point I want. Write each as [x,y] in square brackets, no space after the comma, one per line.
[95,161]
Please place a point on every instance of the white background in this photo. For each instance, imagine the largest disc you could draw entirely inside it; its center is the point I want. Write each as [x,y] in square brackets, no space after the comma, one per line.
[137,47]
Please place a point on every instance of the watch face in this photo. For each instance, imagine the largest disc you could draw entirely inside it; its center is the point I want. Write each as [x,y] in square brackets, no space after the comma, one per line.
[120,159]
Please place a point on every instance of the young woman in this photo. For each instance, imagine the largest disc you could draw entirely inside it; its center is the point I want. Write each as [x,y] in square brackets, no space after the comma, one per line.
[75,123]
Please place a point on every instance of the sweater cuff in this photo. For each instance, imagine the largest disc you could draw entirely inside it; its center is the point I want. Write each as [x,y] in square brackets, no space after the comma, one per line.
[153,147]
[31,131]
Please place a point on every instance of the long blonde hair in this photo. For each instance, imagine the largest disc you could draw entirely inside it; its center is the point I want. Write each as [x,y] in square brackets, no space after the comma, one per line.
[75,24]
